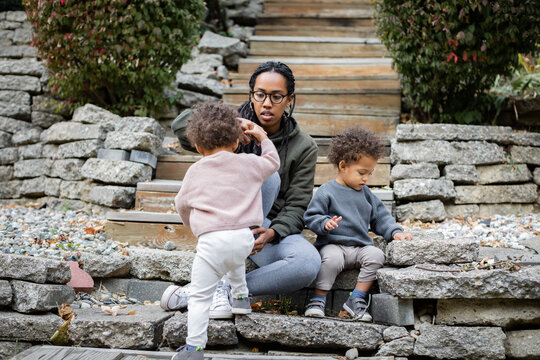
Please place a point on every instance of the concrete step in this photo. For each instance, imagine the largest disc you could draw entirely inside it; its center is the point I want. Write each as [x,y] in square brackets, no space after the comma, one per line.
[316,46]
[366,101]
[317,31]
[327,66]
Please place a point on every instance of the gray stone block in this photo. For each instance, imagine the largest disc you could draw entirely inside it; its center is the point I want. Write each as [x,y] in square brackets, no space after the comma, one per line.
[125,140]
[394,333]
[529,256]
[150,264]
[12,348]
[525,155]
[9,156]
[147,290]
[493,174]
[461,174]
[10,189]
[13,125]
[408,132]
[190,98]
[15,97]
[52,186]
[13,110]
[67,169]
[5,139]
[92,114]
[34,269]
[30,297]
[50,105]
[526,138]
[505,313]
[18,16]
[494,194]
[212,43]
[140,124]
[220,332]
[424,189]
[113,196]
[143,157]
[34,187]
[45,120]
[432,210]
[523,344]
[116,172]
[18,51]
[414,171]
[68,131]
[300,331]
[448,282]
[429,151]
[453,211]
[478,153]
[103,266]
[76,189]
[6,173]
[79,149]
[391,310]
[488,210]
[20,83]
[399,347]
[32,168]
[49,151]
[33,151]
[450,342]
[21,67]
[23,327]
[27,136]
[113,154]
[95,328]
[5,293]
[199,84]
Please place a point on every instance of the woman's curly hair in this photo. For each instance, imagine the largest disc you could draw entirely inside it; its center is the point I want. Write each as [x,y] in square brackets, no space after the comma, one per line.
[352,143]
[213,125]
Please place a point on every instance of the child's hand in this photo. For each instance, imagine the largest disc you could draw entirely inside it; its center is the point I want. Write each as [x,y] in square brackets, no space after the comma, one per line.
[245,124]
[256,131]
[332,223]
[402,236]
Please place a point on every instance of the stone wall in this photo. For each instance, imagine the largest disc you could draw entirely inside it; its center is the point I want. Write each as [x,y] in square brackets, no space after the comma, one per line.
[444,170]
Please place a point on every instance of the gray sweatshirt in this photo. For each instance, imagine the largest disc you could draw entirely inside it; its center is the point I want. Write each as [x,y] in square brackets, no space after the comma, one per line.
[361,210]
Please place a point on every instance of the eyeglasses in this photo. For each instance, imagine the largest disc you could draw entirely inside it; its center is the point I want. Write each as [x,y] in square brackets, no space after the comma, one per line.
[260,96]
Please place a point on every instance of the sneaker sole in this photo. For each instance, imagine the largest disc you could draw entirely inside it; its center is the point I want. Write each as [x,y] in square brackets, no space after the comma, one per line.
[164,302]
[314,313]
[364,318]
[220,315]
[240,311]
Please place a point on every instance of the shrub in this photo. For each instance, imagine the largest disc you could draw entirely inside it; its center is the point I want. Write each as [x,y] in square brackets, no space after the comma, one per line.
[449,52]
[117,54]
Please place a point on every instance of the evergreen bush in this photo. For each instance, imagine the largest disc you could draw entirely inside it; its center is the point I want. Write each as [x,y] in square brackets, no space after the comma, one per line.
[117,54]
[450,52]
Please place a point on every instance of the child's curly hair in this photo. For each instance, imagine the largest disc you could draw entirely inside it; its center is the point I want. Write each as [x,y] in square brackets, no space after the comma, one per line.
[213,125]
[352,143]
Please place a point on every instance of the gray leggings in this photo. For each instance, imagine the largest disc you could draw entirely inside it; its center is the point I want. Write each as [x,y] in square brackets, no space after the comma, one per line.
[290,265]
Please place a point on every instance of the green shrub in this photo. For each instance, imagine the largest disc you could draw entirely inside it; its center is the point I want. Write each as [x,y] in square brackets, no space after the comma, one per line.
[450,52]
[117,54]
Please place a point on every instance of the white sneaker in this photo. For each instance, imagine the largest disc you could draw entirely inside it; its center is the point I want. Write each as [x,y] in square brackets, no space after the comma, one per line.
[175,297]
[221,303]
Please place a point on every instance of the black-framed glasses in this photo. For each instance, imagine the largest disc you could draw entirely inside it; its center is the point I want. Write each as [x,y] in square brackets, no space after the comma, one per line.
[260,96]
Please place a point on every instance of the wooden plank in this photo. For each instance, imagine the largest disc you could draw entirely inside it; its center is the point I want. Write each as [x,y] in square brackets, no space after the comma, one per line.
[331,31]
[156,235]
[327,172]
[154,201]
[144,216]
[172,170]
[172,186]
[336,9]
[305,20]
[331,124]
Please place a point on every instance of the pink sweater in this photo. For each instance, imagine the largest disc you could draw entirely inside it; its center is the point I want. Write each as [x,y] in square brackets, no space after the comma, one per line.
[222,191]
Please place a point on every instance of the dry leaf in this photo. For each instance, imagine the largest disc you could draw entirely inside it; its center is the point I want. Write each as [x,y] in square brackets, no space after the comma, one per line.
[131,313]
[255,350]
[65,311]
[110,310]
[90,230]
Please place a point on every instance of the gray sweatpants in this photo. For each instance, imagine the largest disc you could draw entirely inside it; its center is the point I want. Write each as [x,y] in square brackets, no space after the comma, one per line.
[336,258]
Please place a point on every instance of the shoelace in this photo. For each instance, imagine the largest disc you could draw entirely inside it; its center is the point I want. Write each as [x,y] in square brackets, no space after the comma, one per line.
[362,305]
[221,297]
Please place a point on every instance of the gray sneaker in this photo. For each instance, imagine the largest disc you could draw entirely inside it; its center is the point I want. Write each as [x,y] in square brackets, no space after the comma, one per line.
[241,305]
[315,308]
[182,353]
[358,308]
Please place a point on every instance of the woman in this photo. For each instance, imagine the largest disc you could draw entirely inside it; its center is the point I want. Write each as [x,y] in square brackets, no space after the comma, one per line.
[286,260]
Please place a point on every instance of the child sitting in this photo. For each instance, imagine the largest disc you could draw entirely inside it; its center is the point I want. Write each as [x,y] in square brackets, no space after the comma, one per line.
[220,200]
[341,213]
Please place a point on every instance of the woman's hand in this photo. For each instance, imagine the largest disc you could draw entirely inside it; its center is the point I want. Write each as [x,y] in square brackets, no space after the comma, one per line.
[265,235]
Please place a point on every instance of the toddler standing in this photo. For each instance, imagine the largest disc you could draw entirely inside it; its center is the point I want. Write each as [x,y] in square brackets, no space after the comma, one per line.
[220,200]
[341,213]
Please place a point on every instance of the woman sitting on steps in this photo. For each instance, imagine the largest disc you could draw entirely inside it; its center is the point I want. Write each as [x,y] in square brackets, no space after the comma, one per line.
[287,261]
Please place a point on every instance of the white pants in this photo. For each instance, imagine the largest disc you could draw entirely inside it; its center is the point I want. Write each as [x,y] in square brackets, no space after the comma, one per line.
[219,253]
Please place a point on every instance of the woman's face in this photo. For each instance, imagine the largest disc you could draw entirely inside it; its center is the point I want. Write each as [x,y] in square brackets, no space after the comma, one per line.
[268,113]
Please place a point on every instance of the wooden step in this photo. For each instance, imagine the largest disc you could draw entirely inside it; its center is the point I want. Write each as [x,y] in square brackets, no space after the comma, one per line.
[330,124]
[287,46]
[356,9]
[326,66]
[390,81]
[304,20]
[317,31]
[174,167]
[371,101]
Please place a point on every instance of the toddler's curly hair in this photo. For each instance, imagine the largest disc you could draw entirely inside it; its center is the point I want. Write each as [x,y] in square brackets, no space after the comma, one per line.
[213,125]
[352,143]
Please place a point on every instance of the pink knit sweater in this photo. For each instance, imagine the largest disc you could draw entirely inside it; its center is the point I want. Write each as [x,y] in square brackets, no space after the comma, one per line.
[222,191]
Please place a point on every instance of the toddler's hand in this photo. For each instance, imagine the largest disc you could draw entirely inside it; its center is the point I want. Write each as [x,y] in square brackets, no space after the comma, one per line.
[256,131]
[332,223]
[402,236]
[245,124]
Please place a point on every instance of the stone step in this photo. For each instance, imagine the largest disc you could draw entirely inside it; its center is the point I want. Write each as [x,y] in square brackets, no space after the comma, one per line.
[367,101]
[315,30]
[328,66]
[324,81]
[449,282]
[300,21]
[174,167]
[275,46]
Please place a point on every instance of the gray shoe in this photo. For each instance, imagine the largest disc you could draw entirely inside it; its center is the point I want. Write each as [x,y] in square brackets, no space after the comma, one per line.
[358,308]
[241,305]
[182,353]
[315,308]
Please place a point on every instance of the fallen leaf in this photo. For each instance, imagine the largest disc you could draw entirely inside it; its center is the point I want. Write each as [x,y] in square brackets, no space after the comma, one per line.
[255,350]
[90,230]
[110,310]
[61,336]
[65,311]
[131,313]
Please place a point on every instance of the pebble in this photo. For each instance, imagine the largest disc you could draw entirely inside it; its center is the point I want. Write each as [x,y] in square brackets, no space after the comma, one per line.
[351,354]
[169,245]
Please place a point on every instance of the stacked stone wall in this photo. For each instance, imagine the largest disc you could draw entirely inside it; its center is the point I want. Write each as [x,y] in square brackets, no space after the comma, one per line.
[444,170]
